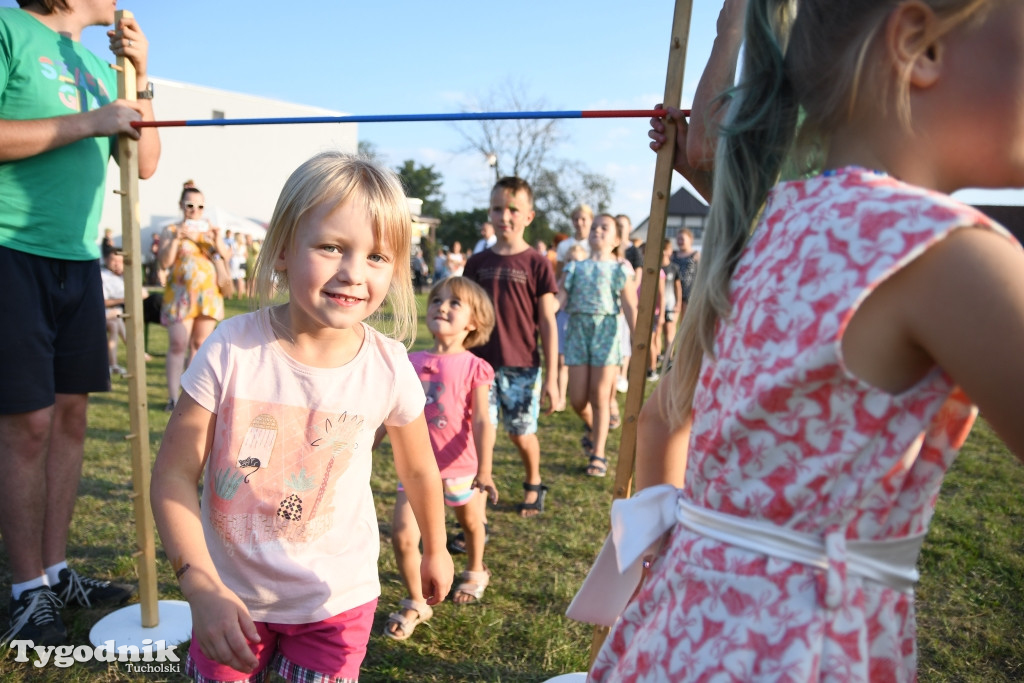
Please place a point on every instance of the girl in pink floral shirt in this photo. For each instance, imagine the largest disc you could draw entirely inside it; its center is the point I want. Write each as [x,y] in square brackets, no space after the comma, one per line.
[829,367]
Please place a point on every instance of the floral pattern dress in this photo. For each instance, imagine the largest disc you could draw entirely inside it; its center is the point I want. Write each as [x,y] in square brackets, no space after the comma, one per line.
[191,289]
[784,434]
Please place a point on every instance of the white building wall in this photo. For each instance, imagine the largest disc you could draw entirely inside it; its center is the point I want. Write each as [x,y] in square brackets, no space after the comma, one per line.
[240,169]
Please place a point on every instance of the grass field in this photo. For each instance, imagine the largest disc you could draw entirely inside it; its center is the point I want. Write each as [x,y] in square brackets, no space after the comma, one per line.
[970,616]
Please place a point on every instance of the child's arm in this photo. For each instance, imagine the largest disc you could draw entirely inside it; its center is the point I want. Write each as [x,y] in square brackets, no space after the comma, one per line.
[677,286]
[659,303]
[718,76]
[221,622]
[483,436]
[629,304]
[417,470]
[697,140]
[549,344]
[660,450]
[971,326]
[562,297]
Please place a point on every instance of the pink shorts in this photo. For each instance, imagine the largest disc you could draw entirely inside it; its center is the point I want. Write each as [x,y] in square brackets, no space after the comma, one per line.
[328,650]
[457,490]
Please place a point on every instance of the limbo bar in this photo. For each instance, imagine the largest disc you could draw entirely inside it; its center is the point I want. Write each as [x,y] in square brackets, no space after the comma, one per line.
[385,118]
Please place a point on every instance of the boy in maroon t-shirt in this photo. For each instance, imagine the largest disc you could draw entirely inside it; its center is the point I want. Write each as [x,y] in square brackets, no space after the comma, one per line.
[522,285]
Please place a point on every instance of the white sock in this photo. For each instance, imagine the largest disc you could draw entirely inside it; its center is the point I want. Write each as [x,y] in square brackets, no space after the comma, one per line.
[18,588]
[53,572]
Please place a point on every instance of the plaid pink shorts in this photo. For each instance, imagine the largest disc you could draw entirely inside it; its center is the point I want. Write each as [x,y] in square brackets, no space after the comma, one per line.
[328,651]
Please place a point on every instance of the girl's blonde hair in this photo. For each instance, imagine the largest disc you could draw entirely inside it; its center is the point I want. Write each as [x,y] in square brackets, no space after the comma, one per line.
[583,210]
[481,310]
[331,179]
[807,68]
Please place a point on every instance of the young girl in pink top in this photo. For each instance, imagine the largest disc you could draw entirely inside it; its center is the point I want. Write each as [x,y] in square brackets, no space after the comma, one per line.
[277,416]
[843,329]
[457,384]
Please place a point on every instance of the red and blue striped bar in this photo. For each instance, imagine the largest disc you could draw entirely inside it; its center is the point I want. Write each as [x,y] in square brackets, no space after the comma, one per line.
[386,118]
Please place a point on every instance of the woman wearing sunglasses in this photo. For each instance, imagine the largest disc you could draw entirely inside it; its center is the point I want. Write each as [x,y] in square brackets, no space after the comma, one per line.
[192,299]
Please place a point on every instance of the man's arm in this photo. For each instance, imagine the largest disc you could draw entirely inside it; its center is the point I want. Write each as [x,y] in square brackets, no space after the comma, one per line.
[21,139]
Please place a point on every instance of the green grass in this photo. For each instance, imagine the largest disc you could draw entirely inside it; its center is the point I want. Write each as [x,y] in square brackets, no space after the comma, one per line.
[970,621]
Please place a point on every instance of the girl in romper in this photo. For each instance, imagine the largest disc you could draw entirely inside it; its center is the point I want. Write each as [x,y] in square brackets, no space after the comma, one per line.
[829,367]
[458,384]
[277,415]
[592,292]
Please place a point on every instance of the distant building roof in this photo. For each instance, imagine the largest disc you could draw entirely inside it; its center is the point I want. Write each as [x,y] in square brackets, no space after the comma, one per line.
[682,204]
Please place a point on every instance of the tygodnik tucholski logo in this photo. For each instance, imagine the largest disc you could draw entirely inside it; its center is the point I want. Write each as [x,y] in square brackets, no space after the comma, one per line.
[152,657]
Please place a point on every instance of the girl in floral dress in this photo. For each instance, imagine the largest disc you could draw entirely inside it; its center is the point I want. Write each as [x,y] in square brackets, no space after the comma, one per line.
[829,367]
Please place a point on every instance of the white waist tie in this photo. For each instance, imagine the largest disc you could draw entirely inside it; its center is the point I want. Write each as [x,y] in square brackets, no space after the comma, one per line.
[638,523]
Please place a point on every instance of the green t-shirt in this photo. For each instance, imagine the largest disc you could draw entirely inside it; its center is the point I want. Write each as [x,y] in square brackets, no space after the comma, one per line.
[50,204]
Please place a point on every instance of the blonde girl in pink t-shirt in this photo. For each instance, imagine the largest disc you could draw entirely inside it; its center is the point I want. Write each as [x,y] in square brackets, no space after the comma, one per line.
[277,417]
[844,329]
[457,384]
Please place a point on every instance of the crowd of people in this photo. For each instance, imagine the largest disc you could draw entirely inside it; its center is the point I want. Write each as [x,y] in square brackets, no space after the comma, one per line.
[817,369]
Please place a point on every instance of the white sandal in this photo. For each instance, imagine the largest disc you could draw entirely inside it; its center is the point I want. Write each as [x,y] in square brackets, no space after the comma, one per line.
[473,584]
[406,625]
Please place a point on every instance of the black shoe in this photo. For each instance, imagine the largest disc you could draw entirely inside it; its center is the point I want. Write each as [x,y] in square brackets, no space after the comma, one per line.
[458,543]
[75,590]
[35,616]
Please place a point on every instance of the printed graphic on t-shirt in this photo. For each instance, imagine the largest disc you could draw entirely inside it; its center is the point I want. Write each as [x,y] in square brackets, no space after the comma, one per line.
[75,82]
[274,475]
[434,409]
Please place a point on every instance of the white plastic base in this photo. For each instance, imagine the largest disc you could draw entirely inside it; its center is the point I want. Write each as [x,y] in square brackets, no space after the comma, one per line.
[124,627]
[568,678]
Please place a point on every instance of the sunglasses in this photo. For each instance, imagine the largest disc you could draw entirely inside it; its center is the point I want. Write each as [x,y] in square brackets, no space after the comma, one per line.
[195,206]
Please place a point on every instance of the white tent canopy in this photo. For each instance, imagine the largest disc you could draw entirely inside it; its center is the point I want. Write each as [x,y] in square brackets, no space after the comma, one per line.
[226,220]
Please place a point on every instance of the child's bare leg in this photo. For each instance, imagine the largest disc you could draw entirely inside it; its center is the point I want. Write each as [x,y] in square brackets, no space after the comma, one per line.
[652,360]
[579,393]
[528,446]
[613,400]
[563,382]
[602,381]
[405,539]
[471,520]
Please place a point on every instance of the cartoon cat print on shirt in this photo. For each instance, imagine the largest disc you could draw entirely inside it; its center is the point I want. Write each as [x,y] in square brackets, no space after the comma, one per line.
[434,407]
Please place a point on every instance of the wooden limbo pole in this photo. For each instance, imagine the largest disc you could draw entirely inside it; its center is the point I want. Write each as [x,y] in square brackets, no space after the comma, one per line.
[138,624]
[138,438]
[651,270]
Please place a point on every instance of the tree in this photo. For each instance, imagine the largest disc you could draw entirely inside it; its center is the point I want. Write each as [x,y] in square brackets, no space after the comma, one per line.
[423,182]
[560,189]
[517,147]
[525,148]
[462,226]
[369,150]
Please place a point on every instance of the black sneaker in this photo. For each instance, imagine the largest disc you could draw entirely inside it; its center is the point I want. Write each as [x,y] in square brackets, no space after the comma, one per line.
[35,616]
[75,590]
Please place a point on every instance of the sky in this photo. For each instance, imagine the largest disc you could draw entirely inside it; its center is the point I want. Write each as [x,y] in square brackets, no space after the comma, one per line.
[412,57]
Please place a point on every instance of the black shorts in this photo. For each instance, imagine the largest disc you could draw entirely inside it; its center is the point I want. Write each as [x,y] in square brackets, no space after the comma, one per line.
[54,338]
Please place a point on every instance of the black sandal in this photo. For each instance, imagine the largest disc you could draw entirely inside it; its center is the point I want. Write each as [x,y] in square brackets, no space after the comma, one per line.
[538,504]
[458,543]
[598,466]
[587,441]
